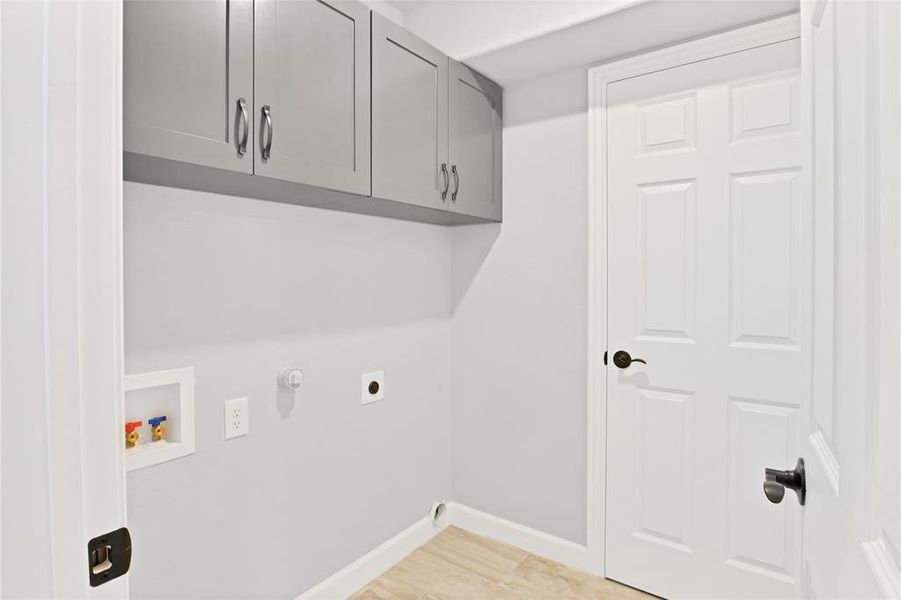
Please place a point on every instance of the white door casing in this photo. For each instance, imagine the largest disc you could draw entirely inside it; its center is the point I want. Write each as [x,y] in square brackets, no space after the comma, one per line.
[63,163]
[851,124]
[706,242]
[600,77]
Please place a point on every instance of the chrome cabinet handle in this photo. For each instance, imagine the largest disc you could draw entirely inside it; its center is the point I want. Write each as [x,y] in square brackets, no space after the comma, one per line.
[267,147]
[245,126]
[456,182]
[446,181]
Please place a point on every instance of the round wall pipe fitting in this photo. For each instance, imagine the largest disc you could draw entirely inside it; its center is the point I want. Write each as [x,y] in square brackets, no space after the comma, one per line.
[290,377]
[438,513]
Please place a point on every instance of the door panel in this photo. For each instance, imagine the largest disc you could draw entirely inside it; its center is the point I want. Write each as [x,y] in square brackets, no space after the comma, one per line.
[663,447]
[667,260]
[409,117]
[186,65]
[312,71]
[759,432]
[848,552]
[474,119]
[706,259]
[764,257]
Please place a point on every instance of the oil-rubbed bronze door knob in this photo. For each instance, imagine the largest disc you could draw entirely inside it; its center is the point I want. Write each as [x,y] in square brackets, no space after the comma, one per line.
[775,482]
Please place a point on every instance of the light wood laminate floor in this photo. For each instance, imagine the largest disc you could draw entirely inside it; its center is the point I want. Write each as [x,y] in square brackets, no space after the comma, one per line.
[460,565]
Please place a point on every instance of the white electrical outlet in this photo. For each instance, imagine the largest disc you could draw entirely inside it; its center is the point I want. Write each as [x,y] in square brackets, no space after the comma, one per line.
[372,387]
[237,418]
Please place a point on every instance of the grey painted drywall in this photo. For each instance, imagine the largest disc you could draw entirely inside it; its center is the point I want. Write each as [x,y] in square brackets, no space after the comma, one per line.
[519,321]
[480,329]
[237,288]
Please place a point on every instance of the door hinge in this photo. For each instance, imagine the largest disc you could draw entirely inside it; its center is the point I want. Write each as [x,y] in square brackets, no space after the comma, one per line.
[605,357]
[109,556]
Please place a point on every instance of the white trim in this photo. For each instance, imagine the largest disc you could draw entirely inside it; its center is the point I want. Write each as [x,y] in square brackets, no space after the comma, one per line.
[819,9]
[883,567]
[884,143]
[83,294]
[528,539]
[372,564]
[897,191]
[1,302]
[98,159]
[827,460]
[375,562]
[737,40]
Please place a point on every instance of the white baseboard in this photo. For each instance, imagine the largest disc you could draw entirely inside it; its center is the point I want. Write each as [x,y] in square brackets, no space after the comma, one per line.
[372,564]
[531,540]
[369,566]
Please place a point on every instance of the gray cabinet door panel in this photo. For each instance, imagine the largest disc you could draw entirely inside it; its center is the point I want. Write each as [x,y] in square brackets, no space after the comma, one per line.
[475,125]
[186,64]
[409,116]
[312,71]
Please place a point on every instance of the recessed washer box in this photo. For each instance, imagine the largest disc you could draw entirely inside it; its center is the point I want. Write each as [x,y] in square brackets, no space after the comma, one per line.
[168,393]
[372,387]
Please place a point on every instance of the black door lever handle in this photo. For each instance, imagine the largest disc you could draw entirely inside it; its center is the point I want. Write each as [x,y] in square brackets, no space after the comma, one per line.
[775,482]
[623,359]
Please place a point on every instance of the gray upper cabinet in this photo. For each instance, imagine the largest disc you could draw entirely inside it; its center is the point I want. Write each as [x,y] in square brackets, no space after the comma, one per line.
[312,93]
[475,127]
[323,93]
[409,117]
[188,81]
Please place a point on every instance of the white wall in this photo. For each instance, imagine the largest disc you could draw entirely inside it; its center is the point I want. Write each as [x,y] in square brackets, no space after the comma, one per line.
[520,318]
[238,288]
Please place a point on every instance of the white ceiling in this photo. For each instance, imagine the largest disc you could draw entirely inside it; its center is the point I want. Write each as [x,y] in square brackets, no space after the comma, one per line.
[405,5]
[466,28]
[513,40]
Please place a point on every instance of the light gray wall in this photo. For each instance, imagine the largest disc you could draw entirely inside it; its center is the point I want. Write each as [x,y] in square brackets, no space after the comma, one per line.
[480,329]
[237,288]
[519,321]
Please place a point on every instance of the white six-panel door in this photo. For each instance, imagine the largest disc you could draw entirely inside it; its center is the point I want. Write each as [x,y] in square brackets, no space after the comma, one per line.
[708,250]
[852,523]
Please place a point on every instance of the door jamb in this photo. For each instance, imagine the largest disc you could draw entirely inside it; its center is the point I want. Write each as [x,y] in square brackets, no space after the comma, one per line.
[768,32]
[85,307]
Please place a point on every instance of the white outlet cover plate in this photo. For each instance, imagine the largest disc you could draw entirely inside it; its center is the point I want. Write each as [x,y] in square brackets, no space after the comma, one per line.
[365,380]
[237,418]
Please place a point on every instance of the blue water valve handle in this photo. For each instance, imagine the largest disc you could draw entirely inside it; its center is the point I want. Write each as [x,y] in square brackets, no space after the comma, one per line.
[156,420]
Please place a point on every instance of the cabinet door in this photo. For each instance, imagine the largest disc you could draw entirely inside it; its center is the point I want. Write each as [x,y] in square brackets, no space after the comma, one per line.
[409,117]
[475,143]
[312,93]
[188,80]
